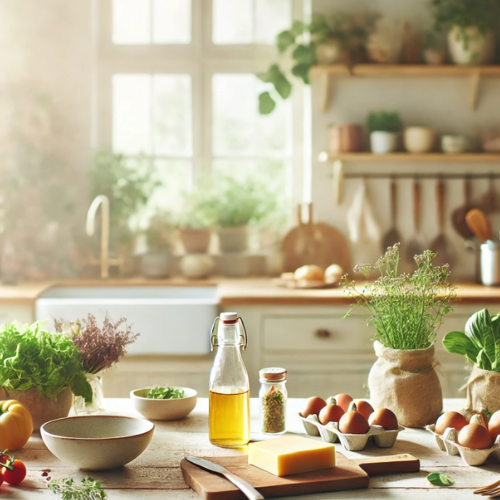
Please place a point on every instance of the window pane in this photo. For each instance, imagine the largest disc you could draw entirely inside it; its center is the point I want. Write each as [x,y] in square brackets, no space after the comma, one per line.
[172,124]
[131,113]
[271,17]
[171,21]
[273,173]
[238,127]
[131,21]
[176,178]
[232,21]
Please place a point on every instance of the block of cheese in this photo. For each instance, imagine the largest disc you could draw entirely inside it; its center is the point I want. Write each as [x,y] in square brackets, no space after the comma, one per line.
[288,455]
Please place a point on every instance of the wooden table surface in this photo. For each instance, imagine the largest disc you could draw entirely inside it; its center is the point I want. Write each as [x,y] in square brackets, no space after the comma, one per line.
[156,473]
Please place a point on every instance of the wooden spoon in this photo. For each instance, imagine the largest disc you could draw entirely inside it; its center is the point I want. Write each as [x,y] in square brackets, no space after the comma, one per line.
[441,244]
[479,224]
[415,245]
[458,215]
[393,236]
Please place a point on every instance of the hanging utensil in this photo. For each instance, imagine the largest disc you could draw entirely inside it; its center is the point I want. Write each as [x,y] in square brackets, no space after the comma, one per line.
[489,202]
[416,244]
[393,236]
[441,244]
[479,224]
[458,215]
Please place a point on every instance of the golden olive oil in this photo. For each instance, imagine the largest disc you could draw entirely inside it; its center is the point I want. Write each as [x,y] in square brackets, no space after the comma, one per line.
[229,418]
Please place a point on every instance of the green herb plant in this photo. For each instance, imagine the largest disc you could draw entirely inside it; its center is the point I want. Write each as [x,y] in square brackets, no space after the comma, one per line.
[384,122]
[480,343]
[463,14]
[159,233]
[88,489]
[165,393]
[31,357]
[405,309]
[301,40]
[439,479]
[199,207]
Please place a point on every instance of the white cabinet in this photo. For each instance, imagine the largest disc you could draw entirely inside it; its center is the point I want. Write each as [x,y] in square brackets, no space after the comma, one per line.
[22,312]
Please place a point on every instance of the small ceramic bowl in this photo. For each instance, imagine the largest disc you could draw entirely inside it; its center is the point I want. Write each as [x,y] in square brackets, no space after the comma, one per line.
[164,409]
[97,442]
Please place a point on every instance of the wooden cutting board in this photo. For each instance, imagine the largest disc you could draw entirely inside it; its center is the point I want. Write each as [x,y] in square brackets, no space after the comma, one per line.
[318,244]
[347,475]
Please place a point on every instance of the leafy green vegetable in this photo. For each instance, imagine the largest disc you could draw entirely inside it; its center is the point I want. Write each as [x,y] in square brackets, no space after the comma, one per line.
[32,357]
[165,393]
[439,479]
[480,343]
[89,489]
[383,121]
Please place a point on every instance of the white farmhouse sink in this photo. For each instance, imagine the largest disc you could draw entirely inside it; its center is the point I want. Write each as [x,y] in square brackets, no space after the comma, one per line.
[170,320]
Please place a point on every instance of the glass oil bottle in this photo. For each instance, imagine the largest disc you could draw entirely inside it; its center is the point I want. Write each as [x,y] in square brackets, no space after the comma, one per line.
[229,401]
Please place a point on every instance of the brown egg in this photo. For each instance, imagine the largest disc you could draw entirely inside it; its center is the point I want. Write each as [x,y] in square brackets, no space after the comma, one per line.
[331,413]
[313,406]
[353,422]
[494,425]
[451,419]
[475,436]
[343,400]
[364,407]
[385,418]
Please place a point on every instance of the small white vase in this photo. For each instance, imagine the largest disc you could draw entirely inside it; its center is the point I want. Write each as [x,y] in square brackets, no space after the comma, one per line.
[83,407]
[419,139]
[329,52]
[469,46]
[233,239]
[383,142]
[196,266]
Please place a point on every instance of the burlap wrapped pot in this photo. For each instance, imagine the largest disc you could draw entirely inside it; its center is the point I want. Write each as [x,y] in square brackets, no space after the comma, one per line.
[483,390]
[405,382]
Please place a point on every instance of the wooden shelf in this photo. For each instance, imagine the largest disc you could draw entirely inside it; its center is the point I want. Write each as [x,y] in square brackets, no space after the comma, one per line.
[414,158]
[473,73]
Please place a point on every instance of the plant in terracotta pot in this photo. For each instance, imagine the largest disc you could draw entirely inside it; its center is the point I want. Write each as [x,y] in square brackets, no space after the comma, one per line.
[406,311]
[41,370]
[155,263]
[99,347]
[470,26]
[480,344]
[384,128]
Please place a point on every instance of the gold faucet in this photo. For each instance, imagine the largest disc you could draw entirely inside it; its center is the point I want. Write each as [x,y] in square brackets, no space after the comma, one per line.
[105,261]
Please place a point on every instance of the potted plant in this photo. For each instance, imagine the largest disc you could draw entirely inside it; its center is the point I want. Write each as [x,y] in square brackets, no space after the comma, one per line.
[341,38]
[156,262]
[479,344]
[470,26]
[384,128]
[100,348]
[41,370]
[406,311]
[198,218]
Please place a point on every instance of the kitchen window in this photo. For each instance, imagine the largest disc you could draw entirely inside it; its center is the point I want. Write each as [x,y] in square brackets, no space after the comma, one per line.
[177,84]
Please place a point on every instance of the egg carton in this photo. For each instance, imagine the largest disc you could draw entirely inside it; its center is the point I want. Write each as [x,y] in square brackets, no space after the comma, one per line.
[448,443]
[351,442]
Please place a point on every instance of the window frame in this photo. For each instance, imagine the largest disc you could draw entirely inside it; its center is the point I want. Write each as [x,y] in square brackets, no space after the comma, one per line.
[200,59]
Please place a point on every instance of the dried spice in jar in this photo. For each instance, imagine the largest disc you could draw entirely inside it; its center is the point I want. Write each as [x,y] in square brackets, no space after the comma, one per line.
[273,398]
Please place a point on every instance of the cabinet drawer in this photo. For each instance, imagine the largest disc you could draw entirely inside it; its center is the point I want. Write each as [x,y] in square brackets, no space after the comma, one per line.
[316,333]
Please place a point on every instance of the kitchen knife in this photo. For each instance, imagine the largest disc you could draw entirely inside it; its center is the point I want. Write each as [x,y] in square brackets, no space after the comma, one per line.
[248,490]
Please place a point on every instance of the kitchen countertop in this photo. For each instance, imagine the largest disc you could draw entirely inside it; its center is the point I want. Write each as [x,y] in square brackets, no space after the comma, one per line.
[257,291]
[157,469]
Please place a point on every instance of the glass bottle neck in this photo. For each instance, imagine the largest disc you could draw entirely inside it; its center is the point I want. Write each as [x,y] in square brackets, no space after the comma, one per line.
[229,335]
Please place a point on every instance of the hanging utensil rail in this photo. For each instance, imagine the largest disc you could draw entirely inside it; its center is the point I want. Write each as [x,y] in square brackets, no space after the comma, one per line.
[420,176]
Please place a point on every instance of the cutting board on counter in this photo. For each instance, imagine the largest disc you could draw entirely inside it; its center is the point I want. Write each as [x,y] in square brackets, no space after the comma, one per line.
[311,243]
[349,474]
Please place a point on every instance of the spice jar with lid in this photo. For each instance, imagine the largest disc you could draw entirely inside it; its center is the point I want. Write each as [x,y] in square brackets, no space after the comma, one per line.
[273,398]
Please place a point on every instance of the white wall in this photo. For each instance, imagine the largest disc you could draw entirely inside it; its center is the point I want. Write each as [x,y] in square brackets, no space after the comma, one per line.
[438,103]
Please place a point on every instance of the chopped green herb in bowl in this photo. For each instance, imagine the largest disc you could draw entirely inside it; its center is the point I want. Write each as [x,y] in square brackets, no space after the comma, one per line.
[165,393]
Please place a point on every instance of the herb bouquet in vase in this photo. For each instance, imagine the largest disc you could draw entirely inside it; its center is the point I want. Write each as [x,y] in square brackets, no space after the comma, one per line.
[406,311]
[100,348]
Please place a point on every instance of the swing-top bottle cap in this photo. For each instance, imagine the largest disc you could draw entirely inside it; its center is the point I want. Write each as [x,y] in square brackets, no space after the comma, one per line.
[229,316]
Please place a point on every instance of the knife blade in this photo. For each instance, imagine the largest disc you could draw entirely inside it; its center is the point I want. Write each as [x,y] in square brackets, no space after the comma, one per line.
[247,489]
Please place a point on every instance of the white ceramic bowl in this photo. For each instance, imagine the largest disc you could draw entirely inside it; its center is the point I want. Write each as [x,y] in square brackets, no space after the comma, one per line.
[97,442]
[164,409]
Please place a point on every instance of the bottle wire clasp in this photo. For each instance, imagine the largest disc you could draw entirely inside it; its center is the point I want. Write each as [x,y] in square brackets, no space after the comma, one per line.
[213,334]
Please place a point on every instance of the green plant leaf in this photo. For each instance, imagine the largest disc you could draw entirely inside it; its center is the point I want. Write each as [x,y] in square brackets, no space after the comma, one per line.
[459,343]
[81,387]
[439,479]
[266,103]
[302,71]
[298,28]
[284,40]
[280,81]
[305,54]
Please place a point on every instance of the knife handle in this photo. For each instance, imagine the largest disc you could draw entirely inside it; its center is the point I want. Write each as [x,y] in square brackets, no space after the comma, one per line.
[247,489]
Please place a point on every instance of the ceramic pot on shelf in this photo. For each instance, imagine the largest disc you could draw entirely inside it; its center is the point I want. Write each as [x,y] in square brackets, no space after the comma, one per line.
[383,142]
[329,52]
[233,239]
[468,46]
[406,382]
[156,264]
[419,139]
[196,266]
[195,240]
[345,138]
